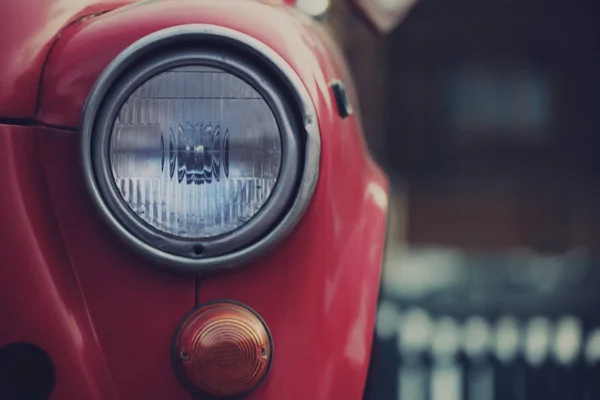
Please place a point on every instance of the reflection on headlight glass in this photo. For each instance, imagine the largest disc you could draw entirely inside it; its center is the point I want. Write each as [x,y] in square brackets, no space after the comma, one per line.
[195,152]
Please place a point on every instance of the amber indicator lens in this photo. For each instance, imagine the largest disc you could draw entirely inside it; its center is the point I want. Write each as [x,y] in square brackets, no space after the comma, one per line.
[222,349]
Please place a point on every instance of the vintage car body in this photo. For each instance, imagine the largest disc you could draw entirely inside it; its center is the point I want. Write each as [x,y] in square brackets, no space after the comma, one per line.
[106,315]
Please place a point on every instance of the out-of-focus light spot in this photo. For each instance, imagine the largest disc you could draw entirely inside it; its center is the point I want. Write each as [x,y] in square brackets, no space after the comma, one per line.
[387,320]
[415,331]
[537,340]
[394,5]
[446,341]
[567,341]
[507,338]
[476,336]
[592,348]
[315,8]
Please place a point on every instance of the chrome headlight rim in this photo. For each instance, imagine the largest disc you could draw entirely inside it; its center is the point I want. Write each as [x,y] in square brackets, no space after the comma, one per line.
[268,214]
[240,55]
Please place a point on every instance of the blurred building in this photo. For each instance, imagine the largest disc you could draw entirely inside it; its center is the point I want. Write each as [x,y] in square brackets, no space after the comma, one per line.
[492,122]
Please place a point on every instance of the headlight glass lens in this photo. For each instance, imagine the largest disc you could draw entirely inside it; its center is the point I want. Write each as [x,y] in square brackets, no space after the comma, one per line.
[195,152]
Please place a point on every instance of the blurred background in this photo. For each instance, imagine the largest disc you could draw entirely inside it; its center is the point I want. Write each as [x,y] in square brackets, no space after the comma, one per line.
[483,114]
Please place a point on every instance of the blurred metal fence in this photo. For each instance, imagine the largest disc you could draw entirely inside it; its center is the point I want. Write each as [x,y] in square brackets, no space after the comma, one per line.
[446,344]
[445,359]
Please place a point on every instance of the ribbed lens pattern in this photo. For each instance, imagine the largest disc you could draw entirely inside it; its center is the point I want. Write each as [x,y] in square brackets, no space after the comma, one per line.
[195,152]
[224,349]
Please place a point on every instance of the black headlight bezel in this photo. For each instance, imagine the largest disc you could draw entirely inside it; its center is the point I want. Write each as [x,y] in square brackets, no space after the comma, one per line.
[265,71]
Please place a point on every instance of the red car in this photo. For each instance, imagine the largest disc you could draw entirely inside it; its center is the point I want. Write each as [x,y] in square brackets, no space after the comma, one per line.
[188,208]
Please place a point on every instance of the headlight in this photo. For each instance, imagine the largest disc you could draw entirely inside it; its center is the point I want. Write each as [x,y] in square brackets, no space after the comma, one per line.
[200,146]
[195,152]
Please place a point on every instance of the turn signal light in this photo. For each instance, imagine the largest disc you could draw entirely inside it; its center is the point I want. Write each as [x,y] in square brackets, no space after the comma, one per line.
[222,349]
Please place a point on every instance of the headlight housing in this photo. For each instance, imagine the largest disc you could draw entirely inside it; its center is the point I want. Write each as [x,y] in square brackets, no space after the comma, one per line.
[200,147]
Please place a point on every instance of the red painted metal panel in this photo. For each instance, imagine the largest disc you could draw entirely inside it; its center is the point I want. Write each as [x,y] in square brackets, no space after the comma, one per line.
[28,30]
[41,299]
[135,308]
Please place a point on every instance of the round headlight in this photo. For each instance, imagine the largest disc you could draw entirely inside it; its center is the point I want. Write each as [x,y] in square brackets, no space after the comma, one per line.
[201,147]
[195,152]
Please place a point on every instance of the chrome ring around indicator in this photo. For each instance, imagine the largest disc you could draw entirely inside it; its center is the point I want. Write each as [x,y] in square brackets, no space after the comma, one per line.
[289,100]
